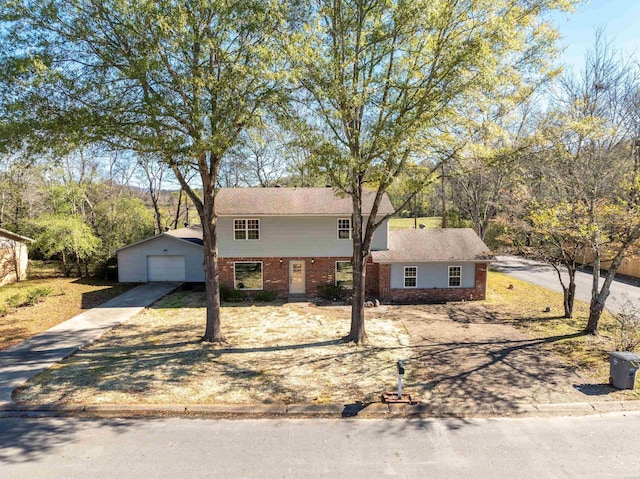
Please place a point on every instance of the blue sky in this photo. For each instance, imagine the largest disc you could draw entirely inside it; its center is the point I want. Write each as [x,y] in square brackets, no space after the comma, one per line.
[620,17]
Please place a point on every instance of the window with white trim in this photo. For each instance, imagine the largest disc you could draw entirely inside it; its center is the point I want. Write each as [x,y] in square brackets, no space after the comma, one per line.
[247,275]
[344,274]
[410,276]
[455,276]
[246,229]
[344,228]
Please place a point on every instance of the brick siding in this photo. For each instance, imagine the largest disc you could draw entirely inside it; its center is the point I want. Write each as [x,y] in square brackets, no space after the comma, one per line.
[275,276]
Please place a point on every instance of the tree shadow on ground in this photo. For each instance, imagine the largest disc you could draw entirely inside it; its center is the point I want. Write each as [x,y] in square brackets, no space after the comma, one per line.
[127,365]
[475,362]
[25,440]
[603,389]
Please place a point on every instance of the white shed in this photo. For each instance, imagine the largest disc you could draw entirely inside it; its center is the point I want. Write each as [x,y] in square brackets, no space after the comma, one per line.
[14,257]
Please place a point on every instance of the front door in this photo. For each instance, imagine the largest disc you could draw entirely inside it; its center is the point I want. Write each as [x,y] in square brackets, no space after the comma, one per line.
[296,277]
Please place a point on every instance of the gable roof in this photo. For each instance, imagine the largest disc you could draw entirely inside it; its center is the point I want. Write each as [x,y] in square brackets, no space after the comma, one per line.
[292,201]
[427,245]
[193,234]
[14,236]
[181,234]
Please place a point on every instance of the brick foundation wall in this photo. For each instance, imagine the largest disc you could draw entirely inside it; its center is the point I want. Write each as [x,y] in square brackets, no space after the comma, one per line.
[433,295]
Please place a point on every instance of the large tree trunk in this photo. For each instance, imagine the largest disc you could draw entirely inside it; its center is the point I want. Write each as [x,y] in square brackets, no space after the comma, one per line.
[65,269]
[599,298]
[175,223]
[596,307]
[569,296]
[208,219]
[213,330]
[78,264]
[569,291]
[156,214]
[443,194]
[357,332]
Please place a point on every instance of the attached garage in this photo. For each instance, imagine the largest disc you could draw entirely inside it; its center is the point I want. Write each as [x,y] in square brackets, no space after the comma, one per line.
[172,256]
[166,268]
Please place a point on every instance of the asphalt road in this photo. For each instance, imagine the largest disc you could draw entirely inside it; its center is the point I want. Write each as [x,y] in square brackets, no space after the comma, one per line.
[570,447]
[544,275]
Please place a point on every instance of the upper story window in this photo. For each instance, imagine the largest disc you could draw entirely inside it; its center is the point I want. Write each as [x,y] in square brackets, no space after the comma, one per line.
[246,229]
[410,276]
[455,276]
[344,228]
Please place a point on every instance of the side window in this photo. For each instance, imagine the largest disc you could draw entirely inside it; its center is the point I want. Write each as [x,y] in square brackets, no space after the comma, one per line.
[410,276]
[455,276]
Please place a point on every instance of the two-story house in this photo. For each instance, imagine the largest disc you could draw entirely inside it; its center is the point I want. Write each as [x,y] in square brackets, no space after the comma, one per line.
[294,240]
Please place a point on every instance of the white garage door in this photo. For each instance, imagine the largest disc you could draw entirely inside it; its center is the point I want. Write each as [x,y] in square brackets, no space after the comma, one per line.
[165,268]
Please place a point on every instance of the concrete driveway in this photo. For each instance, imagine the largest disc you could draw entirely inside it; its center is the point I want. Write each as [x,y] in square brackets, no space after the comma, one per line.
[23,361]
[544,275]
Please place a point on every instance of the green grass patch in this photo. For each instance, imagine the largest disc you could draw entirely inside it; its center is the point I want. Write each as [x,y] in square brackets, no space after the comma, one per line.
[29,298]
[45,269]
[176,300]
[403,223]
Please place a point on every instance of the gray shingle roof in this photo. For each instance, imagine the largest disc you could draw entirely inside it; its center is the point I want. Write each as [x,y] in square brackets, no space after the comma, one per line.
[192,234]
[291,201]
[426,245]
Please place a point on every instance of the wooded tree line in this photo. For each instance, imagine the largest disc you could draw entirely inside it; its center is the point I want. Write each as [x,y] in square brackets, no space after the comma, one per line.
[455,104]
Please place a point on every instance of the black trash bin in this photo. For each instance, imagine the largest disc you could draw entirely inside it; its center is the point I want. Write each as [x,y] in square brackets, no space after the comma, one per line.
[623,368]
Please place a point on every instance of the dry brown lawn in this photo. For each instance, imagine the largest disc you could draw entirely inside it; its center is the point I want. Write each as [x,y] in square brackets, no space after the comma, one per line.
[68,297]
[500,352]
[276,354]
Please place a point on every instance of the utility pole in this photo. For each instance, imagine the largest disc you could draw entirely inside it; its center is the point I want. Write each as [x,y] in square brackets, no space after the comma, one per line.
[444,198]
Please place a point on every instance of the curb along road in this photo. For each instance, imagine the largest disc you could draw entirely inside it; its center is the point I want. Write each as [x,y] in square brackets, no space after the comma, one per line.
[305,411]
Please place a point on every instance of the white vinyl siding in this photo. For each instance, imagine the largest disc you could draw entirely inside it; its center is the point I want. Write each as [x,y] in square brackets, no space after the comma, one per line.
[410,277]
[291,236]
[133,265]
[246,229]
[247,275]
[344,228]
[455,276]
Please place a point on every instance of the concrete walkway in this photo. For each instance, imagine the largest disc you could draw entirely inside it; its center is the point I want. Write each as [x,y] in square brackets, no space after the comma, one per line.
[23,361]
